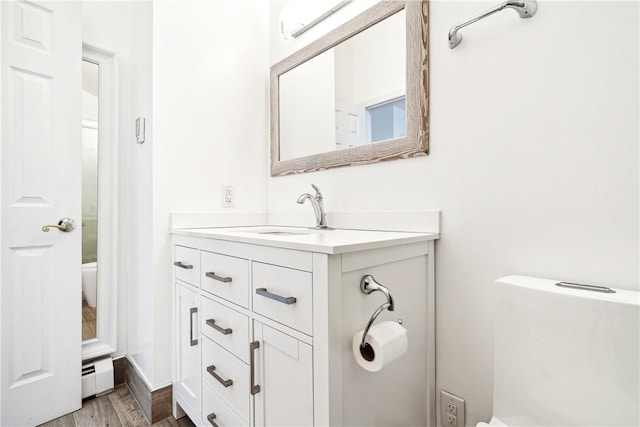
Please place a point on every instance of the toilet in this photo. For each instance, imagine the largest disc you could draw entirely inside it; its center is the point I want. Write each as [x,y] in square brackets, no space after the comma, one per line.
[564,355]
[89,282]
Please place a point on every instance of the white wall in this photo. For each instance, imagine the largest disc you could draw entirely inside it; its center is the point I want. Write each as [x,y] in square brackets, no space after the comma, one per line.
[124,29]
[210,99]
[533,163]
[139,186]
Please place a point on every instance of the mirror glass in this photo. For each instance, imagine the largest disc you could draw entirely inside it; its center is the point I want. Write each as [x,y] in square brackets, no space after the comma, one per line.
[351,95]
[90,128]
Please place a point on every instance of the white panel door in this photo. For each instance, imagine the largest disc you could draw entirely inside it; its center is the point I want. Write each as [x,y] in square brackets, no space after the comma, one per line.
[186,386]
[41,52]
[285,375]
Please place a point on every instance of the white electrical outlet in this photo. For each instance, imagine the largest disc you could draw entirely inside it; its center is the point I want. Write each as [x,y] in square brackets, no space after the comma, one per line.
[451,410]
[451,420]
[228,196]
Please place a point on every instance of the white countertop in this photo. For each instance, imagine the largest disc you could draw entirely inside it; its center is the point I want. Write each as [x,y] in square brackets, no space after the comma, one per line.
[307,239]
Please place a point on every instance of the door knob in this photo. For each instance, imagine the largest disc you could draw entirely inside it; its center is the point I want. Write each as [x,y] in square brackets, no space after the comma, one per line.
[65,224]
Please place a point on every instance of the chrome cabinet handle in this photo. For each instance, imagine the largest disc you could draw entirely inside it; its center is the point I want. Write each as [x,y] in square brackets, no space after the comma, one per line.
[255,388]
[181,265]
[192,311]
[65,224]
[212,370]
[214,276]
[211,417]
[284,300]
[223,331]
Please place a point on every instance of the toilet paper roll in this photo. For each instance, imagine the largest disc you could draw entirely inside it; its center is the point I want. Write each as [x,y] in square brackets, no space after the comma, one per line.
[386,342]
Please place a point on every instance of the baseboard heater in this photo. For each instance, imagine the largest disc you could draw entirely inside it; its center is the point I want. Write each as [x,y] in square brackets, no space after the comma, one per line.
[97,377]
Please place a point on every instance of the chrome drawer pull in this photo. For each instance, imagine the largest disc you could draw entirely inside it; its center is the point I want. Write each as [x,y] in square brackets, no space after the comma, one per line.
[214,276]
[181,265]
[224,331]
[192,311]
[211,417]
[212,370]
[284,300]
[255,388]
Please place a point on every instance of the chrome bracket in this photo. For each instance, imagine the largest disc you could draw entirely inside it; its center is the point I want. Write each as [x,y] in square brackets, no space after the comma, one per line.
[524,8]
[368,285]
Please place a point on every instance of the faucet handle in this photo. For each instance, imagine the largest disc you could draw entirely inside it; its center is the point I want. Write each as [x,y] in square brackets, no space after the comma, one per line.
[318,193]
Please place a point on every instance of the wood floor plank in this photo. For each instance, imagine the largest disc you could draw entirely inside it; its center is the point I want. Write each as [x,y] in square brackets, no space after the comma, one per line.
[97,412]
[172,422]
[88,322]
[126,407]
[185,422]
[118,408]
[64,421]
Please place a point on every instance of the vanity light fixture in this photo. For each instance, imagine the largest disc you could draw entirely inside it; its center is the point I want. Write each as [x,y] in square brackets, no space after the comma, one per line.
[300,16]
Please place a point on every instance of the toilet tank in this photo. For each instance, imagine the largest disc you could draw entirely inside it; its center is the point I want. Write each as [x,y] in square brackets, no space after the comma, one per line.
[565,356]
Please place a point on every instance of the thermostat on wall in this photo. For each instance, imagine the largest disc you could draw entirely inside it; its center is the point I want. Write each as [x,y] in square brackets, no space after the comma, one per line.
[140,130]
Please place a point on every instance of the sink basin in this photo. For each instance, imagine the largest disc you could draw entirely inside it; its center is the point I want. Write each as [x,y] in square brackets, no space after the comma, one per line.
[274,231]
[283,233]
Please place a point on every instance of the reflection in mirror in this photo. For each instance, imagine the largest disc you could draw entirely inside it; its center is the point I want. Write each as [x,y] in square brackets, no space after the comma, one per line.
[348,96]
[90,92]
[370,74]
[357,95]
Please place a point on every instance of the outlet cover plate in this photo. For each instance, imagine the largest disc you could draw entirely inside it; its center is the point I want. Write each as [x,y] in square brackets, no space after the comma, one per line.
[228,196]
[452,405]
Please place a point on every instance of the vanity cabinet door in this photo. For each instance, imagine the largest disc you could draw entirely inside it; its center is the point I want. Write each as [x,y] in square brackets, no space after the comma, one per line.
[187,383]
[284,372]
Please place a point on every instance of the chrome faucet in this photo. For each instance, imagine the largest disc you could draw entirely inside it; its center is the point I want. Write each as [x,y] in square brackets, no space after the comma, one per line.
[318,206]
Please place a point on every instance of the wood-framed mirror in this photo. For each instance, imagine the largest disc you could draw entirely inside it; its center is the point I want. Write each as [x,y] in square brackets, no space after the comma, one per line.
[357,95]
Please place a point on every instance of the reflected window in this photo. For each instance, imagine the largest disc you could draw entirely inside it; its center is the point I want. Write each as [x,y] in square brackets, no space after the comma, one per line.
[387,120]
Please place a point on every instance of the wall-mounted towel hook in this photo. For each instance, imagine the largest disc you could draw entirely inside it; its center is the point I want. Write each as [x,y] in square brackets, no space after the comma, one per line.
[525,9]
[368,285]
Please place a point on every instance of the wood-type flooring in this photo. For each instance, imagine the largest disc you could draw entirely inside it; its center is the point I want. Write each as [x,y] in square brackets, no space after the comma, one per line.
[115,409]
[88,320]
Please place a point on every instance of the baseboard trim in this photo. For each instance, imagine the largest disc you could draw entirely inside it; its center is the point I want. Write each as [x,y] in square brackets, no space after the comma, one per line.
[155,404]
[119,369]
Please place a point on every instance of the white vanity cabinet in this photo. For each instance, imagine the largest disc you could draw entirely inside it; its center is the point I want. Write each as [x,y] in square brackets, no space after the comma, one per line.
[263,327]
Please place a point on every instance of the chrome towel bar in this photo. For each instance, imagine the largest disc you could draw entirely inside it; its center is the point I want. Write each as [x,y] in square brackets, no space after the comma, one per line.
[525,9]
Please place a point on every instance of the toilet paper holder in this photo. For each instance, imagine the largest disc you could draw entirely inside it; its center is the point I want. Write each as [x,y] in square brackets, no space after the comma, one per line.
[368,285]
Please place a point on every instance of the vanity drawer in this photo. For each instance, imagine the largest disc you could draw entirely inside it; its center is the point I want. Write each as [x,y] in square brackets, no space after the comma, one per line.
[284,295]
[226,327]
[214,406]
[218,367]
[186,264]
[226,277]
